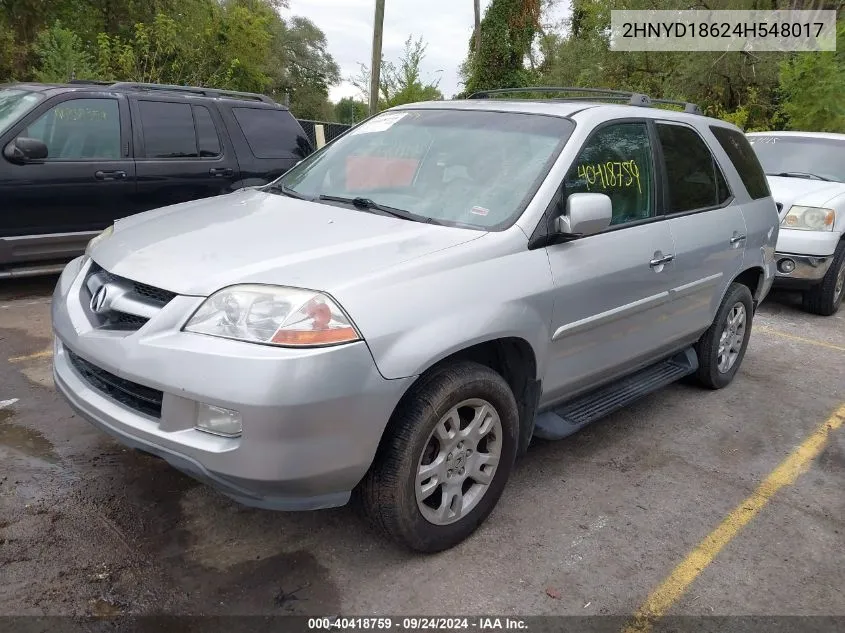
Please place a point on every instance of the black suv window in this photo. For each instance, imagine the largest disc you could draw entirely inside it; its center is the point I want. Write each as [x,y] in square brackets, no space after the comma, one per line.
[207,137]
[616,161]
[168,130]
[79,129]
[270,133]
[744,160]
[693,176]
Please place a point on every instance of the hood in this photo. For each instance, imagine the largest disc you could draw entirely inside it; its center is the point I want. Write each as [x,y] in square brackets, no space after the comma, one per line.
[199,247]
[803,192]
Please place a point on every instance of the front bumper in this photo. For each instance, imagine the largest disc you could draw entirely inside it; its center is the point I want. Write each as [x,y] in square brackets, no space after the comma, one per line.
[312,418]
[803,269]
[811,253]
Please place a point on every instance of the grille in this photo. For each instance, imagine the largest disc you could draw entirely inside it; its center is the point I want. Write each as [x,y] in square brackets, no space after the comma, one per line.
[156,294]
[129,320]
[115,319]
[137,397]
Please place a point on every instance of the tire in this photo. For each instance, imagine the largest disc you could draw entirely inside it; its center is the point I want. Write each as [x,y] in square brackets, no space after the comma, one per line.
[825,298]
[713,372]
[388,494]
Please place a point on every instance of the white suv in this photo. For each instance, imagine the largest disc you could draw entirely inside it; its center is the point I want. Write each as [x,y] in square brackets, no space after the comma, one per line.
[806,172]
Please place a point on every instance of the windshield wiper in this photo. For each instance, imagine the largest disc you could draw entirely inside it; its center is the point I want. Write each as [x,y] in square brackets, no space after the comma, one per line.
[368,204]
[802,174]
[287,191]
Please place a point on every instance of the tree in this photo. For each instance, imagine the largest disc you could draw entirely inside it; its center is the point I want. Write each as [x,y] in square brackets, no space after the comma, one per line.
[8,52]
[812,85]
[232,44]
[508,31]
[350,111]
[304,70]
[61,56]
[738,86]
[401,83]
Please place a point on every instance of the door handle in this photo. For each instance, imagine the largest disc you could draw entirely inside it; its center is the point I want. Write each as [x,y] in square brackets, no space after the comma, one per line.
[117,174]
[661,260]
[221,171]
[736,239]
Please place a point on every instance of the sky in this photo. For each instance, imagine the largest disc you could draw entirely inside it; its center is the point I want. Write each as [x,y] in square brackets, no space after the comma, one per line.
[446,25]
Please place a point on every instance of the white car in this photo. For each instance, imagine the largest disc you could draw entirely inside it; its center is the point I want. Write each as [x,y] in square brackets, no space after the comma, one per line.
[806,173]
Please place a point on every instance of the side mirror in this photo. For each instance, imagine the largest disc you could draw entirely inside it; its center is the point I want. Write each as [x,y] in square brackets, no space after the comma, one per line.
[25,150]
[586,214]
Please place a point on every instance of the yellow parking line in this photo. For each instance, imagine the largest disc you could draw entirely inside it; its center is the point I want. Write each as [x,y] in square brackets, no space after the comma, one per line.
[671,589]
[768,330]
[22,359]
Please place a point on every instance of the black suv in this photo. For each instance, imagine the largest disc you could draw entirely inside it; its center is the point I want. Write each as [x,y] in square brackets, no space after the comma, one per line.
[77,157]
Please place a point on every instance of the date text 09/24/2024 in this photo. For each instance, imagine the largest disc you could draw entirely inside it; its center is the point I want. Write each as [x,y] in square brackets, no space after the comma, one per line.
[416,624]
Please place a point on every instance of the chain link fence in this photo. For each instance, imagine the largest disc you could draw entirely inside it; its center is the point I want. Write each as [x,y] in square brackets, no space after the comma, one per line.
[332,130]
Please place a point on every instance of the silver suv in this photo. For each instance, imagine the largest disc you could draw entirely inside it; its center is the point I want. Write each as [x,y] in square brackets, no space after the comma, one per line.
[401,313]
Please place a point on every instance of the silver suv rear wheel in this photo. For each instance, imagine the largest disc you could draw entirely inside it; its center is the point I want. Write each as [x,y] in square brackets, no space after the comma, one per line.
[722,347]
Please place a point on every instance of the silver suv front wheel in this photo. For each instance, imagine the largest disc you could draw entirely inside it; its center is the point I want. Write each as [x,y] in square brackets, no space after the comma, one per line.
[445,457]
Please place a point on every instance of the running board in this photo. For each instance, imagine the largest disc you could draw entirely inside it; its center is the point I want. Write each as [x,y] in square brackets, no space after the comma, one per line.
[573,416]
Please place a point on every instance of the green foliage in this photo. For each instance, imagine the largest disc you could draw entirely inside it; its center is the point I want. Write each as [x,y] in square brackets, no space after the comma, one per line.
[7,52]
[350,111]
[61,56]
[812,86]
[232,44]
[305,70]
[401,83]
[508,30]
[757,91]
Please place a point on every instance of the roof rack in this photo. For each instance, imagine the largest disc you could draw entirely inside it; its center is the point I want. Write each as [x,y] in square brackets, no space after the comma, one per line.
[206,92]
[689,108]
[90,82]
[197,90]
[592,94]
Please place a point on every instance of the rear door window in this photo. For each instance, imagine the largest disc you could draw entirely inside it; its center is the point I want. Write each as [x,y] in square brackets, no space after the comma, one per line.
[694,179]
[744,160]
[168,130]
[208,140]
[270,133]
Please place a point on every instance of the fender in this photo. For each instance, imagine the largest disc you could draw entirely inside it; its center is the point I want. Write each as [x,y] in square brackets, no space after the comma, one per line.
[478,292]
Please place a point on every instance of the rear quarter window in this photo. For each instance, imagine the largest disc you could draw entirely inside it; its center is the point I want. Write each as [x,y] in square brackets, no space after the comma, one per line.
[744,159]
[272,133]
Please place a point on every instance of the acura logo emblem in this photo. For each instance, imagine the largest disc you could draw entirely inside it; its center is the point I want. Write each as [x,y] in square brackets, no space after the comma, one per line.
[99,302]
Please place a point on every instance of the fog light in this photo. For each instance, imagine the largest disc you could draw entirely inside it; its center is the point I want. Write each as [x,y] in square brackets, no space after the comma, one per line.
[218,421]
[786,266]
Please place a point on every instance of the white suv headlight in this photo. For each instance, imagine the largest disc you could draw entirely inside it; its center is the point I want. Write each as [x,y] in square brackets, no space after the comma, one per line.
[809,219]
[273,315]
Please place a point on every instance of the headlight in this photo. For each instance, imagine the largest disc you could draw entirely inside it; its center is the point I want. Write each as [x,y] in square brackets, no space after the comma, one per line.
[809,219]
[273,315]
[97,239]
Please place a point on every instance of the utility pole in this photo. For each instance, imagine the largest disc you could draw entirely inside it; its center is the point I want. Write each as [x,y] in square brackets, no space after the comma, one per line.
[477,26]
[375,68]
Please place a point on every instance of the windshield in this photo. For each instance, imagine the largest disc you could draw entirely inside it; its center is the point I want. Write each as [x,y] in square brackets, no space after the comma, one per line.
[456,167]
[13,104]
[801,156]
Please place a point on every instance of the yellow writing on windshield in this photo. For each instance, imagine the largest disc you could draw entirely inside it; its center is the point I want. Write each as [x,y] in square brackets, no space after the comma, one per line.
[611,175]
